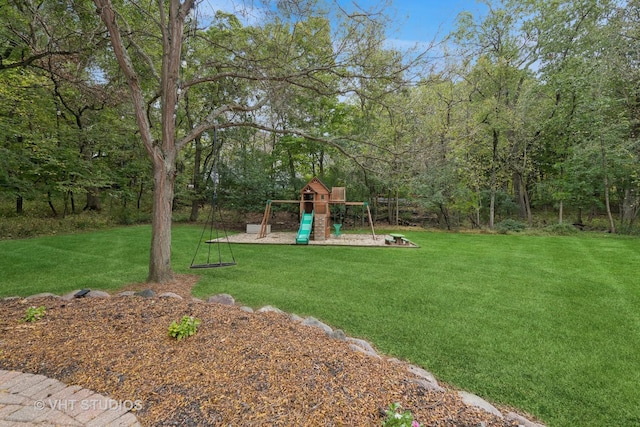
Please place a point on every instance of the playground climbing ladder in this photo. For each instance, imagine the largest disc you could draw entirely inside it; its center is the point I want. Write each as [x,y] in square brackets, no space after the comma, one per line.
[305,229]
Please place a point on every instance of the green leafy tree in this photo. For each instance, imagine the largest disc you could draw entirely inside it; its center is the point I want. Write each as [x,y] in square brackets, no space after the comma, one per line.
[57,43]
[583,55]
[153,69]
[499,59]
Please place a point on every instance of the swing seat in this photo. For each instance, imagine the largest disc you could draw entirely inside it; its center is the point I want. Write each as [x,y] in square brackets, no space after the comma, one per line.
[220,264]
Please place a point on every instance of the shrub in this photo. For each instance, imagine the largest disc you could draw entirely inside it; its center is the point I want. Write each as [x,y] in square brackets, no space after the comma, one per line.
[25,226]
[126,216]
[509,225]
[561,229]
[629,230]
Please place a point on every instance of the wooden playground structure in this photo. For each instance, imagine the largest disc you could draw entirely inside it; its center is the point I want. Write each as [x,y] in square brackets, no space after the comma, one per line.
[315,212]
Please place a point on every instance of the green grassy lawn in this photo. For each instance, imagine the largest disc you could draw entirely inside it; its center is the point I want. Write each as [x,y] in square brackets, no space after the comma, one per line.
[550,325]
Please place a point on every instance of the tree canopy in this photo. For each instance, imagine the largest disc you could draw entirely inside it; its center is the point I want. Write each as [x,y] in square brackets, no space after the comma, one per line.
[532,108]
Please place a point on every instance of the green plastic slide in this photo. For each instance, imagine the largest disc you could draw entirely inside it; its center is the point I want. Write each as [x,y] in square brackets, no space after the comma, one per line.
[305,229]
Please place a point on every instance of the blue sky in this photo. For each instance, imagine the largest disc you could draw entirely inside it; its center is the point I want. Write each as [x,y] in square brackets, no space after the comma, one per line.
[420,21]
[414,21]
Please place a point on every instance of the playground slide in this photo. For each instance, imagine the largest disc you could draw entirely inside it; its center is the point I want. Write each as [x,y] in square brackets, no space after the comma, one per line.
[305,229]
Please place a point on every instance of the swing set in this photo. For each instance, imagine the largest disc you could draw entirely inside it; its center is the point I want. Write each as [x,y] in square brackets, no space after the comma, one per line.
[315,212]
[215,240]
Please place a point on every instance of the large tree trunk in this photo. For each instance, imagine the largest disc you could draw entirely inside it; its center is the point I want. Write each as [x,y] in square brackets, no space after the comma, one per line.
[163,153]
[522,196]
[160,260]
[517,194]
[93,200]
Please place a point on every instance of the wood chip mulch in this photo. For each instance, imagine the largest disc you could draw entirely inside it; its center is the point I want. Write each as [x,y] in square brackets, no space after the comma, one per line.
[240,369]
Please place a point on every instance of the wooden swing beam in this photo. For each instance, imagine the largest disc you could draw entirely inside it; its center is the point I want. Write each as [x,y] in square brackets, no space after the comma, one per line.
[366,204]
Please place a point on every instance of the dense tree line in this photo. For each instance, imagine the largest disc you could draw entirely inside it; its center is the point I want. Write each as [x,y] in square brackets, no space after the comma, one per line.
[528,109]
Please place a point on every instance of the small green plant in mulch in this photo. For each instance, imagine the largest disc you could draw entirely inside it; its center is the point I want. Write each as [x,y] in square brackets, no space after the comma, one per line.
[188,326]
[33,314]
[396,418]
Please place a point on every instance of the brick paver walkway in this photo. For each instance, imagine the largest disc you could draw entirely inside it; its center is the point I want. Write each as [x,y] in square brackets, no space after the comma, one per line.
[35,400]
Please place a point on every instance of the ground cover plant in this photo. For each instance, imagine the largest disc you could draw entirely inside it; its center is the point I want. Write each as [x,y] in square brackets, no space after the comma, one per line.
[546,324]
[33,314]
[187,327]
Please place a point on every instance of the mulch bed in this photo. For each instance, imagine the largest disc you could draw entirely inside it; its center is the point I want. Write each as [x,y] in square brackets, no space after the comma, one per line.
[240,369]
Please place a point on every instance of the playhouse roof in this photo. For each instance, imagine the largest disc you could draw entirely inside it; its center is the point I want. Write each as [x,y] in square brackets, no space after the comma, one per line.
[316,186]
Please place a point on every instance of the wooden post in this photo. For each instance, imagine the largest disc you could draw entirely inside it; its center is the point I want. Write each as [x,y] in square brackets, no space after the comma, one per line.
[373,232]
[265,220]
